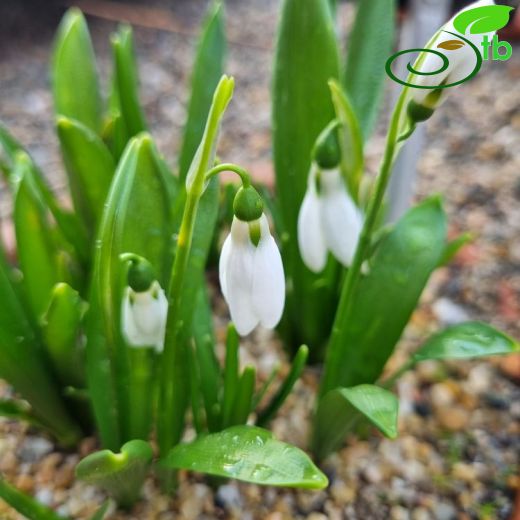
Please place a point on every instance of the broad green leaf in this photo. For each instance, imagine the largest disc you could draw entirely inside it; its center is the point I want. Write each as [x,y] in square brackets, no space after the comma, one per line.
[207,70]
[27,506]
[297,366]
[89,164]
[483,19]
[61,331]
[342,408]
[250,454]
[306,58]
[122,474]
[370,43]
[74,76]
[137,219]
[36,246]
[351,140]
[386,297]
[466,340]
[126,81]
[22,364]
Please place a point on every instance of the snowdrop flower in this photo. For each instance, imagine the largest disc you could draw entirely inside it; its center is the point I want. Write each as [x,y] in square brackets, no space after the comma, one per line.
[462,60]
[144,311]
[251,271]
[328,220]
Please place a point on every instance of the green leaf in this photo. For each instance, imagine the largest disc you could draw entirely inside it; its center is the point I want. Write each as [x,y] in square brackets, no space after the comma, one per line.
[37,249]
[90,167]
[26,505]
[231,374]
[120,474]
[370,43]
[126,81]
[249,454]
[61,331]
[466,340]
[454,246]
[207,70]
[342,408]
[483,19]
[74,76]
[243,396]
[297,366]
[22,363]
[101,512]
[306,58]
[351,140]
[20,411]
[137,219]
[386,297]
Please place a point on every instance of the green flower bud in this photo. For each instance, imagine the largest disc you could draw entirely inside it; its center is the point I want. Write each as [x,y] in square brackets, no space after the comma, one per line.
[419,113]
[140,276]
[248,205]
[326,152]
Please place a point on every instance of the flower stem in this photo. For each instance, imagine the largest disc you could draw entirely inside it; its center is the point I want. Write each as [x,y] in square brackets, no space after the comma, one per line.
[229,167]
[335,349]
[174,384]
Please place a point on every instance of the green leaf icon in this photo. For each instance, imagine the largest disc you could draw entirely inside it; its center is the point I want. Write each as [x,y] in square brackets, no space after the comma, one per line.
[483,19]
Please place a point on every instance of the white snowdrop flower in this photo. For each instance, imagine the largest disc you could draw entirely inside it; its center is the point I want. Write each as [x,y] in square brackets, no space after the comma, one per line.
[328,220]
[462,59]
[251,275]
[143,317]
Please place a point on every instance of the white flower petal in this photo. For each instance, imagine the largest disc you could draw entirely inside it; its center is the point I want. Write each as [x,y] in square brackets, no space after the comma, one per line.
[238,276]
[341,219]
[143,318]
[311,241]
[222,265]
[268,280]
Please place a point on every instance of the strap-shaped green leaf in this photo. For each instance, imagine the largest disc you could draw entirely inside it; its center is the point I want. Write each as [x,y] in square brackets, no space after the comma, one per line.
[483,19]
[342,408]
[369,46]
[351,140]
[74,76]
[249,454]
[137,219]
[126,81]
[306,58]
[207,70]
[72,230]
[386,297]
[27,506]
[61,331]
[297,366]
[90,167]
[21,360]
[466,340]
[120,474]
[36,248]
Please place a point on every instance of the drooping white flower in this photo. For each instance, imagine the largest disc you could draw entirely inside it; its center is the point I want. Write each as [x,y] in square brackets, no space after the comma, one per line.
[461,60]
[143,317]
[251,275]
[328,220]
